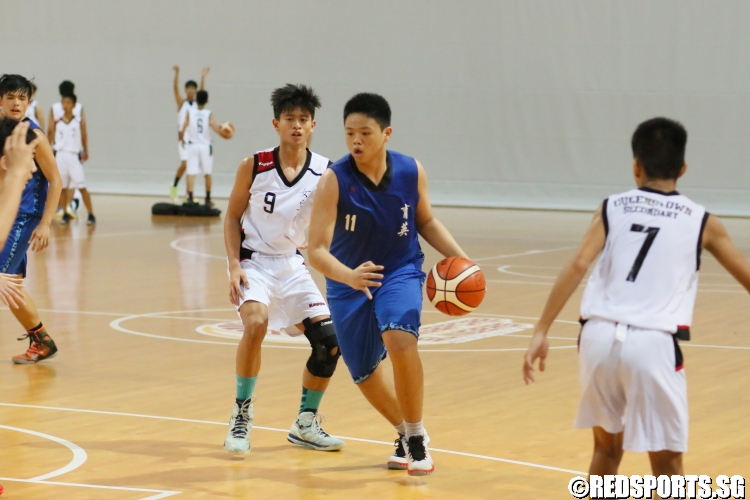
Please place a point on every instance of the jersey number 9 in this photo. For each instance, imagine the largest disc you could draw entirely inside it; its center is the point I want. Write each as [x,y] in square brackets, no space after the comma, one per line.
[270,201]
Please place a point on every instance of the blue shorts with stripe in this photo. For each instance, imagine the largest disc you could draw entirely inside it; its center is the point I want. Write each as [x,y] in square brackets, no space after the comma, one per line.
[360,322]
[13,255]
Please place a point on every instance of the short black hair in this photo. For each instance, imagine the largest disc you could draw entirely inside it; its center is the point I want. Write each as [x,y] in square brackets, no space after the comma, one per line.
[291,97]
[70,96]
[201,97]
[6,128]
[33,88]
[191,83]
[66,87]
[15,84]
[659,145]
[372,105]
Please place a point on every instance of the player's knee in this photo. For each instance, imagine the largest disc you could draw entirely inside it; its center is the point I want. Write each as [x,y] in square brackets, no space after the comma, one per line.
[325,348]
[255,326]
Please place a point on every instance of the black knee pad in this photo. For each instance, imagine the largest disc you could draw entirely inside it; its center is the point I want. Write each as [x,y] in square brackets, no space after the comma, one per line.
[325,347]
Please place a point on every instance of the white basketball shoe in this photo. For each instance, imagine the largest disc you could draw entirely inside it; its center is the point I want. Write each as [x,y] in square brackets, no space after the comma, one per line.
[240,423]
[420,461]
[306,431]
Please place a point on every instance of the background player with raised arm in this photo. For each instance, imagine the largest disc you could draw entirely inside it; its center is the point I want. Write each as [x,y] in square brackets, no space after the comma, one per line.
[56,113]
[68,145]
[34,111]
[369,210]
[32,225]
[183,104]
[16,168]
[269,210]
[638,302]
[196,138]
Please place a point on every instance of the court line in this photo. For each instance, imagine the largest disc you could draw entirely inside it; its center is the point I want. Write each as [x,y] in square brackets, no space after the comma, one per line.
[286,431]
[79,454]
[174,244]
[159,493]
[522,254]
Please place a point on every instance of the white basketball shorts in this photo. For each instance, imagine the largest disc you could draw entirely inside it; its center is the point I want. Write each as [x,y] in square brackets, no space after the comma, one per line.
[284,284]
[199,159]
[632,380]
[71,170]
[182,151]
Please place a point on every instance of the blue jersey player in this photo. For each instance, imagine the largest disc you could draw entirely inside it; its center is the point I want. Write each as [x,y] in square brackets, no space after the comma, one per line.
[31,228]
[369,209]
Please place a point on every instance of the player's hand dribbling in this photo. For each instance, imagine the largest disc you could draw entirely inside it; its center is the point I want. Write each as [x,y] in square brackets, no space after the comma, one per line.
[237,279]
[40,237]
[537,350]
[11,291]
[364,276]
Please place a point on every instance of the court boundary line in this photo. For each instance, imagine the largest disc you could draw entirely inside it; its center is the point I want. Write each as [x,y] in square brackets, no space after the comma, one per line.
[79,454]
[159,493]
[274,429]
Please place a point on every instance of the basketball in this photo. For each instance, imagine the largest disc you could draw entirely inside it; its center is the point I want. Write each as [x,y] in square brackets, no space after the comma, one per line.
[455,286]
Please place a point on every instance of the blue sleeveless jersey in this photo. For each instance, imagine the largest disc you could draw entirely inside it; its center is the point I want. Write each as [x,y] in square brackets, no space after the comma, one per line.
[377,223]
[35,193]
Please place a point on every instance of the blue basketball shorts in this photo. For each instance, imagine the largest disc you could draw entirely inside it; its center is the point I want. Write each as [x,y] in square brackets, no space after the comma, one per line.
[13,255]
[360,322]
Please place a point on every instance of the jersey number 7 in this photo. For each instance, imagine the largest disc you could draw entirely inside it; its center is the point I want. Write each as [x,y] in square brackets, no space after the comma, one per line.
[651,236]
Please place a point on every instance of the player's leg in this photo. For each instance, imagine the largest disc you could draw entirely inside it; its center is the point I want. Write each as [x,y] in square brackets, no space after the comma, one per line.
[78,181]
[193,168]
[89,206]
[607,452]
[666,462]
[207,162]
[13,261]
[180,172]
[398,308]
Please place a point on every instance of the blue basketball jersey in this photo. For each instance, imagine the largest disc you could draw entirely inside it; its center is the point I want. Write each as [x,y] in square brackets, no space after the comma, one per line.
[35,193]
[377,223]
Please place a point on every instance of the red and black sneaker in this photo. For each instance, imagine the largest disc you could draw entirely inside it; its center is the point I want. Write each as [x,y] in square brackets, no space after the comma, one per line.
[41,347]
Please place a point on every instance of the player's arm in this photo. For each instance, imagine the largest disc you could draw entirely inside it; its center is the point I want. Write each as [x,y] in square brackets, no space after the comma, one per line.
[177,97]
[428,226]
[184,128]
[51,126]
[214,126]
[717,241]
[322,224]
[39,116]
[567,282]
[204,72]
[46,161]
[238,200]
[17,156]
[84,137]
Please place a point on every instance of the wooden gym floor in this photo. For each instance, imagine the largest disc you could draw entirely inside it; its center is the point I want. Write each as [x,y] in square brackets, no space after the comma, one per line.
[136,403]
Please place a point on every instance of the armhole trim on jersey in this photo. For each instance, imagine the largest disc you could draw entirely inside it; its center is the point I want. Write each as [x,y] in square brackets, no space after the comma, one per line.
[700,241]
[605,220]
[255,166]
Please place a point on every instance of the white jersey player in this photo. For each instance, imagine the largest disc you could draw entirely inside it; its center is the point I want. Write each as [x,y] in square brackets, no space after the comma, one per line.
[637,304]
[34,111]
[269,210]
[196,138]
[183,105]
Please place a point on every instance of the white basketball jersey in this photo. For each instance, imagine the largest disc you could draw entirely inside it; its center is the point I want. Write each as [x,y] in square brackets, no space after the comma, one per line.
[68,136]
[182,113]
[198,130]
[58,111]
[647,274]
[31,111]
[279,209]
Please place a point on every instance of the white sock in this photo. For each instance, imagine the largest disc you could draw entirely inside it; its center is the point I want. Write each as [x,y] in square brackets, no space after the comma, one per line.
[400,428]
[414,429]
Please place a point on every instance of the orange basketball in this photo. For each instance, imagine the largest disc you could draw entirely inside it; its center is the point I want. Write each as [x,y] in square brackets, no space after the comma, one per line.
[455,286]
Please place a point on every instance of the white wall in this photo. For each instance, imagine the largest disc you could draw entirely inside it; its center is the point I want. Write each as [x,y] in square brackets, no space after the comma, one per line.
[523,103]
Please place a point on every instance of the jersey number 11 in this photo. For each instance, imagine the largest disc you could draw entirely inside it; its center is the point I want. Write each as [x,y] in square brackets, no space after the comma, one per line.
[351,221]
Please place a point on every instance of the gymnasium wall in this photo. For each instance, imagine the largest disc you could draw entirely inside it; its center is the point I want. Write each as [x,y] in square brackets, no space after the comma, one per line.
[508,103]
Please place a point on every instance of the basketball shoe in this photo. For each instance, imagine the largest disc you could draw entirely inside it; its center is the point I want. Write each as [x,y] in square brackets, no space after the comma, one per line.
[398,460]
[41,347]
[173,194]
[306,431]
[420,461]
[240,423]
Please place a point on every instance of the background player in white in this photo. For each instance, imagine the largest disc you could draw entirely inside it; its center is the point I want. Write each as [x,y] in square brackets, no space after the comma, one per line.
[34,111]
[56,112]
[270,204]
[196,139]
[182,106]
[68,145]
[638,302]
